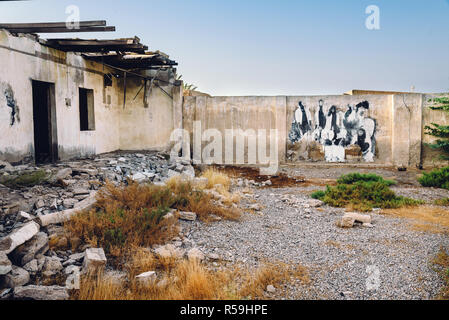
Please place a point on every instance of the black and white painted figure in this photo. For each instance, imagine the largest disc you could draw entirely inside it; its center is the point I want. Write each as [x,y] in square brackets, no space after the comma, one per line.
[11,103]
[301,124]
[336,130]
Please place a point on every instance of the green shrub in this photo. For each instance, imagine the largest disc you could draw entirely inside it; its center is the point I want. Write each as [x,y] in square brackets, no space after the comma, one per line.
[369,177]
[363,192]
[437,178]
[318,195]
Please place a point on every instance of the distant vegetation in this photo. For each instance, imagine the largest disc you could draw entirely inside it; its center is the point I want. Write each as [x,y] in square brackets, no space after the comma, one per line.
[438,178]
[363,192]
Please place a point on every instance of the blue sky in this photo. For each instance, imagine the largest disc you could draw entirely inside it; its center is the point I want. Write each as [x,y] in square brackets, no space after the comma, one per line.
[268,47]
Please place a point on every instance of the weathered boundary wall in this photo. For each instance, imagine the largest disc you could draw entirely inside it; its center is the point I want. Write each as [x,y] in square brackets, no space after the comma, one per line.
[379,129]
[118,126]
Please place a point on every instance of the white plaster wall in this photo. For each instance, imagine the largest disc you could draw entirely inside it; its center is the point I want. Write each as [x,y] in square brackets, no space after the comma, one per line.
[134,127]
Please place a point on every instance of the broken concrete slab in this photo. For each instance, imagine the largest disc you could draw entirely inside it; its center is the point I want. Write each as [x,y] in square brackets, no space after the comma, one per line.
[61,175]
[362,218]
[19,237]
[94,260]
[187,216]
[5,264]
[27,251]
[16,278]
[51,266]
[63,216]
[41,293]
[147,277]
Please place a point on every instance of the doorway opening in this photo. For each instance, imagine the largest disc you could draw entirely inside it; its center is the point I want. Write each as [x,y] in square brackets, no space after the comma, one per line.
[44,119]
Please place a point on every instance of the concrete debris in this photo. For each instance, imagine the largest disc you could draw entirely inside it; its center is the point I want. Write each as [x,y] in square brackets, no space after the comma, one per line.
[19,237]
[52,293]
[187,216]
[16,278]
[94,260]
[5,264]
[147,277]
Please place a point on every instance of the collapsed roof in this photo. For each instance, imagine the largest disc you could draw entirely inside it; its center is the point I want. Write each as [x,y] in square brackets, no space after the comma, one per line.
[126,54]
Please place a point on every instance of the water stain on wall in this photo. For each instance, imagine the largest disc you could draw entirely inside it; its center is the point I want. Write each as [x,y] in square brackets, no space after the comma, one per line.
[340,132]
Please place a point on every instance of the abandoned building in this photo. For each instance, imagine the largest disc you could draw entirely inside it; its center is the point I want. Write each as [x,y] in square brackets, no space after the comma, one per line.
[67,98]
[73,98]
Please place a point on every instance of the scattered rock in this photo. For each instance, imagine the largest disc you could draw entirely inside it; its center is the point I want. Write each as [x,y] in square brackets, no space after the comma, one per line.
[61,175]
[346,222]
[52,266]
[271,289]
[362,218]
[314,203]
[195,254]
[187,216]
[69,203]
[32,266]
[17,277]
[27,251]
[169,251]
[139,177]
[19,237]
[94,260]
[147,277]
[213,256]
[5,264]
[255,207]
[41,293]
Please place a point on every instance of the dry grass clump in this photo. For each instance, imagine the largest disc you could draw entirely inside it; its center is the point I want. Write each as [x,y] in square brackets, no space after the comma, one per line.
[441,262]
[124,217]
[197,198]
[424,218]
[275,274]
[134,215]
[216,177]
[186,280]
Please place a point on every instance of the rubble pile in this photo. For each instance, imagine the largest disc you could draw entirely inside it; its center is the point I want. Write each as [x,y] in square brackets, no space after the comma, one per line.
[34,248]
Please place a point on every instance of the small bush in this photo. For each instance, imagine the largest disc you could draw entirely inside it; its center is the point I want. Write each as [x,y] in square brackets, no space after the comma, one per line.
[370,177]
[24,180]
[363,192]
[438,179]
[318,195]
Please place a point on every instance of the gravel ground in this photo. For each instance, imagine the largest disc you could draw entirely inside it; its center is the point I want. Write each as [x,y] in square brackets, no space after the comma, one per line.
[389,261]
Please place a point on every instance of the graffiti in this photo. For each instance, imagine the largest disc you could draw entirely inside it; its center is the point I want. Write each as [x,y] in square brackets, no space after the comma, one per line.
[11,103]
[336,130]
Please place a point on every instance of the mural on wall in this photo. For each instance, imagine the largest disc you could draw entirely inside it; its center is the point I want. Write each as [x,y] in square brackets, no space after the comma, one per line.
[10,102]
[336,131]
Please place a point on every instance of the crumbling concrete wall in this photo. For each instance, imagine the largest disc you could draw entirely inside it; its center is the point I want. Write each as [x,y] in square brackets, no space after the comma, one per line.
[149,125]
[379,129]
[23,59]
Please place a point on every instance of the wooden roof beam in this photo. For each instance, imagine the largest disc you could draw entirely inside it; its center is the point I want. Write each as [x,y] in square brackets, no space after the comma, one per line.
[96,23]
[60,30]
